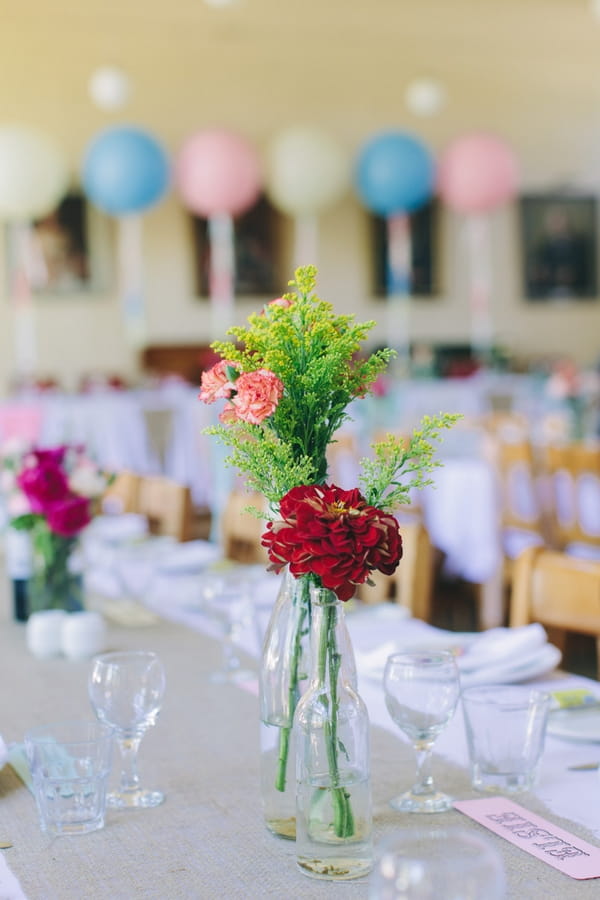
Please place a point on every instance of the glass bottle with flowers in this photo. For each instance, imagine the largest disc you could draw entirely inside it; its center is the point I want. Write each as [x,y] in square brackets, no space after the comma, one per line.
[287,381]
[53,500]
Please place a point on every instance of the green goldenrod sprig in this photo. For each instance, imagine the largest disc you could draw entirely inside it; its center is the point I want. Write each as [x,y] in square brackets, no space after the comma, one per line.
[393,458]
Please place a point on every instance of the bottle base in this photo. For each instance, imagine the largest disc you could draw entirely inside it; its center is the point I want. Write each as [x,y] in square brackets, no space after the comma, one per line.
[335,868]
[283,828]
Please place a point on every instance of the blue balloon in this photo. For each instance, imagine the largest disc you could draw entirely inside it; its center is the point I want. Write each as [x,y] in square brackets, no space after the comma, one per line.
[125,170]
[395,174]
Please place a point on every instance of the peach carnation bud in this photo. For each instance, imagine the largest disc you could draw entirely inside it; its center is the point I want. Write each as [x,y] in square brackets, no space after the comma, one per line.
[216,383]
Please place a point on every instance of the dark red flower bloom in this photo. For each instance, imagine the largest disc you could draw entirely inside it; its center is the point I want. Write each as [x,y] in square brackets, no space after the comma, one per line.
[68,516]
[43,485]
[334,534]
[51,455]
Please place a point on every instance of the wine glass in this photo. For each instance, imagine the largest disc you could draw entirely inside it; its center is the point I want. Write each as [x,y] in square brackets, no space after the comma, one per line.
[226,601]
[421,692]
[126,689]
[437,864]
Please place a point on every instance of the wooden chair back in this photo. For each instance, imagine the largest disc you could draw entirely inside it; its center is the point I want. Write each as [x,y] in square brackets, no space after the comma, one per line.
[518,482]
[573,486]
[123,494]
[241,531]
[167,506]
[558,591]
[411,584]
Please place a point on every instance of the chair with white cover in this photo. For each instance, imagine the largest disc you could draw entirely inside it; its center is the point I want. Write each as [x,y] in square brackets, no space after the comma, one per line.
[573,477]
[521,512]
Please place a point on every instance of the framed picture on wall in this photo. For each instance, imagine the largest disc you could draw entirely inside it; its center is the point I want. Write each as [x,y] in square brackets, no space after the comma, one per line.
[257,242]
[69,251]
[423,269]
[559,239]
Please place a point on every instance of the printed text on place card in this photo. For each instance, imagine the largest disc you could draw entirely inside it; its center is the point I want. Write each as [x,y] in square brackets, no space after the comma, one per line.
[535,835]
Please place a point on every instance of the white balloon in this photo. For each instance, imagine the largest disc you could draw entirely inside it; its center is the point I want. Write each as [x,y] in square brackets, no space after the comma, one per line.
[425,97]
[307,171]
[34,174]
[109,87]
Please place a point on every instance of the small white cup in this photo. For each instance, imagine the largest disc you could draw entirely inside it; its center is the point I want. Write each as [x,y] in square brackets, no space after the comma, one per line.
[83,634]
[44,632]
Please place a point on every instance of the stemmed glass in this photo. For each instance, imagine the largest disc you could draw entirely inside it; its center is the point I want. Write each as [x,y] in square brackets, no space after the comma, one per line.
[227,603]
[421,693]
[126,689]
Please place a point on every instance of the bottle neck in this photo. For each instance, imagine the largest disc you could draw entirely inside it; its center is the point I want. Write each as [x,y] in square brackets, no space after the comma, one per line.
[328,639]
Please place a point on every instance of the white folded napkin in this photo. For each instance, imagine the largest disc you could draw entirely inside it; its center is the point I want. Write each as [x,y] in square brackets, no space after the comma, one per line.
[496,645]
[117,528]
[499,655]
[191,556]
[520,668]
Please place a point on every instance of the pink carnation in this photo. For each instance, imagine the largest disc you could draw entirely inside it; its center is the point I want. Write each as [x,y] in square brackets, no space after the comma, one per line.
[258,394]
[281,301]
[216,383]
[228,414]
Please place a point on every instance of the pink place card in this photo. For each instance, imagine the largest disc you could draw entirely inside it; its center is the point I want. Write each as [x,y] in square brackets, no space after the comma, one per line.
[537,836]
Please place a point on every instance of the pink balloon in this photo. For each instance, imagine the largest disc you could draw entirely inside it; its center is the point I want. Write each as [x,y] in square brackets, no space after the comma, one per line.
[217,172]
[477,173]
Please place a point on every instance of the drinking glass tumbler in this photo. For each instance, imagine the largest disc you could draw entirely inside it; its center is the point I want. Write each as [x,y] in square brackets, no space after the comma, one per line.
[70,762]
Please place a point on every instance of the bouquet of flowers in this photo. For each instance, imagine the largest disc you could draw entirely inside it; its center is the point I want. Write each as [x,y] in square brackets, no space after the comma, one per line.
[286,381]
[53,496]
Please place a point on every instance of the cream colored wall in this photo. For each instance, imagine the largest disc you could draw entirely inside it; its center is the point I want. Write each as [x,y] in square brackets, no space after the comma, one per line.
[526,69]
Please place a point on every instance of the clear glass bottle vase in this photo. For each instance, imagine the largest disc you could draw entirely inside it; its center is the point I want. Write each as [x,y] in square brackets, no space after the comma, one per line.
[283,678]
[56,581]
[331,731]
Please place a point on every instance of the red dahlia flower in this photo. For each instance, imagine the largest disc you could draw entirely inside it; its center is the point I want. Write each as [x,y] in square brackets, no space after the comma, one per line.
[334,534]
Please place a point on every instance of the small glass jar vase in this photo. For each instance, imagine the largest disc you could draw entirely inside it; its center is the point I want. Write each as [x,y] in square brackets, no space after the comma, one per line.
[331,730]
[56,582]
[284,675]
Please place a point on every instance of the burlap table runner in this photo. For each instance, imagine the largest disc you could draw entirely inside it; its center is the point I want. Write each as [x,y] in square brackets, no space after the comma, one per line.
[207,840]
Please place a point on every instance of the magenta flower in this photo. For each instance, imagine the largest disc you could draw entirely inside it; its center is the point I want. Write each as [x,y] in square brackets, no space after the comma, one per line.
[68,516]
[53,455]
[43,485]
